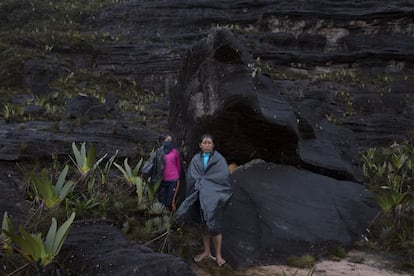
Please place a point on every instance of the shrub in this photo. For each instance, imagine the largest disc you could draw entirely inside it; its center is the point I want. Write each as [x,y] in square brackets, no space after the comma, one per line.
[389,175]
[305,261]
[31,246]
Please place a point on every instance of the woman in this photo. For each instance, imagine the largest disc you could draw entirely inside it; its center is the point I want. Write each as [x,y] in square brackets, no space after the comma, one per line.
[170,174]
[208,190]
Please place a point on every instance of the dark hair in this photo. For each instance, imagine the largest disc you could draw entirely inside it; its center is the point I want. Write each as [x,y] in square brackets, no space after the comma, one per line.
[162,137]
[206,135]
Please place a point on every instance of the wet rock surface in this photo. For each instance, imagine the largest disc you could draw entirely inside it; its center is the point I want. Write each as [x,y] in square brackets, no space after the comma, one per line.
[280,211]
[337,75]
[96,247]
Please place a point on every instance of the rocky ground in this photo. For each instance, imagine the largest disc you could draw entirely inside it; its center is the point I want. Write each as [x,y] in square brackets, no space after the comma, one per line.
[356,263]
[348,63]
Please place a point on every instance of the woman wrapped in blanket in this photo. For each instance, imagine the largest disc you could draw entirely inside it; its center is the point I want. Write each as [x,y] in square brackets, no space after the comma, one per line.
[208,192]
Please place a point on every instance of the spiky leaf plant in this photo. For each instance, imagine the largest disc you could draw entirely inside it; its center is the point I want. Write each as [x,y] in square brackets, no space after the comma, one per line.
[157,208]
[129,174]
[389,173]
[33,248]
[51,194]
[85,162]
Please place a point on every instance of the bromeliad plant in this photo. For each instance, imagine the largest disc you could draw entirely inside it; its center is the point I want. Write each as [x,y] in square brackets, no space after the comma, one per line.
[144,190]
[151,190]
[132,177]
[5,226]
[85,162]
[389,173]
[51,194]
[31,246]
[105,171]
[85,203]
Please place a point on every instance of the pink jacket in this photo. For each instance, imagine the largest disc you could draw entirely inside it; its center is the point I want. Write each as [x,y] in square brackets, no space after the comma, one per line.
[172,166]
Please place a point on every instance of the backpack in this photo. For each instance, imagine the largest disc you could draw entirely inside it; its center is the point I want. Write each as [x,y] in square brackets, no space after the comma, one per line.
[154,166]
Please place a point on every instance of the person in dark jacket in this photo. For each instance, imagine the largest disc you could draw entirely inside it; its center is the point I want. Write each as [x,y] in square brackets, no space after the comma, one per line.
[164,166]
[208,190]
[170,174]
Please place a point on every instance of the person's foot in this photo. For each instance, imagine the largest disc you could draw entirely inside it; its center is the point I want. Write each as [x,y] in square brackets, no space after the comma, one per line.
[204,256]
[220,261]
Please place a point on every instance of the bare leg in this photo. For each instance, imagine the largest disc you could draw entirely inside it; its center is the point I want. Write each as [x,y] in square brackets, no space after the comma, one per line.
[217,245]
[206,244]
[206,252]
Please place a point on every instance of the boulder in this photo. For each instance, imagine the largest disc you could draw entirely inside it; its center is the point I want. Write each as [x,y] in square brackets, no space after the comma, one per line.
[37,140]
[279,211]
[221,91]
[12,198]
[97,247]
[83,105]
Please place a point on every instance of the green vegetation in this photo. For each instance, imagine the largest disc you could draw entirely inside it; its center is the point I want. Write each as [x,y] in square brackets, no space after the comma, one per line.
[389,173]
[305,261]
[81,189]
[85,163]
[44,32]
[31,246]
[50,194]
[130,175]
[337,253]
[349,110]
[34,28]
